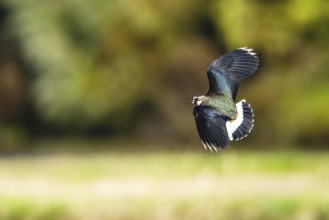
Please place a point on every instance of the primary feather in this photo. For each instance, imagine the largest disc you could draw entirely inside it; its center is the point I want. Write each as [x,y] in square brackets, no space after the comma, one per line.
[211,127]
[226,72]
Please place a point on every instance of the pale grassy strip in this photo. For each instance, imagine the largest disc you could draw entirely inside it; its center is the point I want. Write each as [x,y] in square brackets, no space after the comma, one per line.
[148,198]
[165,186]
[139,187]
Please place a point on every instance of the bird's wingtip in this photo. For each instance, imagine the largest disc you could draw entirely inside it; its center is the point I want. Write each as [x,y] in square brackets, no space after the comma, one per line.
[248,50]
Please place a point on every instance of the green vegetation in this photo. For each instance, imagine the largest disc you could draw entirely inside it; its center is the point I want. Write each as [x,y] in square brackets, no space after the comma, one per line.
[123,67]
[181,185]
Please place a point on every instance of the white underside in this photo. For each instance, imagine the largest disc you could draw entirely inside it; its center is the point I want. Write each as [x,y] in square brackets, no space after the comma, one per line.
[232,126]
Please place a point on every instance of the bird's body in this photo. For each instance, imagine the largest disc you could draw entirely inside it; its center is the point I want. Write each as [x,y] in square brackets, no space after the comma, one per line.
[217,116]
[222,103]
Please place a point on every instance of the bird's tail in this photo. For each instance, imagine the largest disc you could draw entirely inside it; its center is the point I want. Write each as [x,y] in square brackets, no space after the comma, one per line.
[243,124]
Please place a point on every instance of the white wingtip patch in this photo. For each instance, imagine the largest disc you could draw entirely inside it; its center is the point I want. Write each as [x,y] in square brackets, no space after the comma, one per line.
[205,147]
[232,126]
[210,147]
[248,50]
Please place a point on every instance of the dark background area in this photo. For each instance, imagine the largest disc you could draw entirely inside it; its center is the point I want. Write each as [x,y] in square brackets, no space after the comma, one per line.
[126,69]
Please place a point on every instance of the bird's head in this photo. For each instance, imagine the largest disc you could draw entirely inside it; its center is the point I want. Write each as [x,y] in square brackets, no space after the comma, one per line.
[197,100]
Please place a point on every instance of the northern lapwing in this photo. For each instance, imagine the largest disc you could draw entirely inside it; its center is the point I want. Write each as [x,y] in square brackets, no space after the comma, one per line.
[218,118]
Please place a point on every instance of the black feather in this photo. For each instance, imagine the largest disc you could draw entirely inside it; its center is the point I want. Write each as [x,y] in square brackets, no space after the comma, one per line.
[211,126]
[225,73]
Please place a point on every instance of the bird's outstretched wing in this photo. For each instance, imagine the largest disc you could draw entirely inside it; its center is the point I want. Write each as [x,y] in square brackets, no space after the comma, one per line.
[211,127]
[225,73]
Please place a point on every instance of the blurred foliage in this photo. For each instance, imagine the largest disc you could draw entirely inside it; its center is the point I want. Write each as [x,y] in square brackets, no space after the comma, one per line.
[133,65]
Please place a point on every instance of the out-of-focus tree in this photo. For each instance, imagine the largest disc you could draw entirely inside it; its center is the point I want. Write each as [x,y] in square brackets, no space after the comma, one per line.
[84,67]
[95,60]
[134,64]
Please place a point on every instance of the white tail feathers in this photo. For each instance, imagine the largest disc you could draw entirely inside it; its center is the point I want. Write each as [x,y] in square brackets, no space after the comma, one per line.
[243,124]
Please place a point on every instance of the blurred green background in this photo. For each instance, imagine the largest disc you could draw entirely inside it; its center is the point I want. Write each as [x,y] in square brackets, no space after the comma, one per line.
[94,93]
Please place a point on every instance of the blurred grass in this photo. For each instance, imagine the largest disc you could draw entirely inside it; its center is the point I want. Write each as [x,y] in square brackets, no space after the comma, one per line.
[160,185]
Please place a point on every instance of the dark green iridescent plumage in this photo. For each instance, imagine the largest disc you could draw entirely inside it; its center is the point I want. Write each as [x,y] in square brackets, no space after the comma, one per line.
[223,103]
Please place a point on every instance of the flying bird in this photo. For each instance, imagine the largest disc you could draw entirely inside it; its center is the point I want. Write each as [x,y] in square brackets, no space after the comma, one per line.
[218,118]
